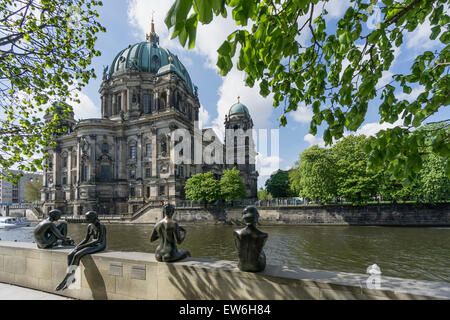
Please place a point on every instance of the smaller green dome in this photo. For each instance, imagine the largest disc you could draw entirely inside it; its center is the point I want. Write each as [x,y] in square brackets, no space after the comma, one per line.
[238,108]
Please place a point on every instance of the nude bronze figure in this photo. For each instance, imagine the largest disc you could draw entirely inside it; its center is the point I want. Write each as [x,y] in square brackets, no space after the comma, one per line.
[97,232]
[169,234]
[250,241]
[48,235]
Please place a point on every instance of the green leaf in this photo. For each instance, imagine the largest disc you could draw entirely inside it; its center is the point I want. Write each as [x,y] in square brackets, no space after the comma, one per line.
[204,10]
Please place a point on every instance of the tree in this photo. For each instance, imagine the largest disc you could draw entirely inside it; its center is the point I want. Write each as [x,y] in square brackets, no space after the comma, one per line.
[278,184]
[264,195]
[338,69]
[434,184]
[202,186]
[45,50]
[231,185]
[295,180]
[354,183]
[33,190]
[317,172]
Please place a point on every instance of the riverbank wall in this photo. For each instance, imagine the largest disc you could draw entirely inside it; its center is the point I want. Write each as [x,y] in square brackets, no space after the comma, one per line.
[136,275]
[382,215]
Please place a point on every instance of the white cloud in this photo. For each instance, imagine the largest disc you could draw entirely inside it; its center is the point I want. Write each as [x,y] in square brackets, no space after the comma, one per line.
[419,39]
[233,86]
[265,165]
[410,96]
[371,129]
[209,37]
[203,117]
[303,114]
[86,109]
[313,140]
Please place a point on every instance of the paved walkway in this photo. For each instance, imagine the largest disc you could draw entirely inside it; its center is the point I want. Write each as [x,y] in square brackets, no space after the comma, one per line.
[10,292]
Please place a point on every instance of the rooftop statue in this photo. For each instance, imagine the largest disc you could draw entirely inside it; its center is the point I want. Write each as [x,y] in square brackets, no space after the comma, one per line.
[97,232]
[47,234]
[168,232]
[250,241]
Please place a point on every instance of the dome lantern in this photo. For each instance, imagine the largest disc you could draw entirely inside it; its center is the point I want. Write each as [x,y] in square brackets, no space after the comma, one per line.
[149,56]
[152,37]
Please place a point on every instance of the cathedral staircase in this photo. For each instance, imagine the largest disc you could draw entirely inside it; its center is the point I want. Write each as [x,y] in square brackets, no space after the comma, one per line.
[150,206]
[37,212]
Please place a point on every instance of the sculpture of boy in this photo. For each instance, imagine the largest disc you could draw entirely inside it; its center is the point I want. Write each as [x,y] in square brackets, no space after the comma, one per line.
[250,241]
[97,231]
[47,234]
[170,234]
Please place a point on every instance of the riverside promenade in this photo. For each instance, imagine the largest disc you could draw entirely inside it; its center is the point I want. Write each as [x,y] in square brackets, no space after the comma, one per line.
[10,292]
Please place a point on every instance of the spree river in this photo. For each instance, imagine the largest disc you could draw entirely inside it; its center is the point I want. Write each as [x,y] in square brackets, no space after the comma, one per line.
[416,253]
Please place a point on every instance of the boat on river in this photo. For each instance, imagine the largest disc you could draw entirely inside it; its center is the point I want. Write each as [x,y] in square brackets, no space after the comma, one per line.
[13,222]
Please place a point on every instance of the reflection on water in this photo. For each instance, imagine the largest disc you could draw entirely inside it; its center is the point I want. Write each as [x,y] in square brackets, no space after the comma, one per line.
[417,253]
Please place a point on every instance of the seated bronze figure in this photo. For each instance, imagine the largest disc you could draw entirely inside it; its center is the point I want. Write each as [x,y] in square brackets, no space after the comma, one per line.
[48,235]
[97,232]
[250,241]
[170,234]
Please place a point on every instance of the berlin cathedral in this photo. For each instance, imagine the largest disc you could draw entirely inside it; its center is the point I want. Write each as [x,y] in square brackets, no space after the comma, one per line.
[123,161]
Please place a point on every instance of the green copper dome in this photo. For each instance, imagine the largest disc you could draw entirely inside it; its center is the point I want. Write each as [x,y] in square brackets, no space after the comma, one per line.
[149,57]
[238,108]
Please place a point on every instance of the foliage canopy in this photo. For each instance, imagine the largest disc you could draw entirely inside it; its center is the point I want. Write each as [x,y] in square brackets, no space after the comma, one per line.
[339,70]
[46,48]
[231,185]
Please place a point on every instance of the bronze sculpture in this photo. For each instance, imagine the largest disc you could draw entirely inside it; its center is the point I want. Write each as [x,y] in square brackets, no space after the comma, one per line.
[250,241]
[170,234]
[97,231]
[47,234]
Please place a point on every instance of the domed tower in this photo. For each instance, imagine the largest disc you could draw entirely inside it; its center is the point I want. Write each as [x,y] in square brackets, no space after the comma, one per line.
[146,79]
[68,119]
[239,125]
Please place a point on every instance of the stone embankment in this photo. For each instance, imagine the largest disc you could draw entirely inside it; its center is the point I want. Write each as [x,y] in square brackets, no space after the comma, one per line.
[382,215]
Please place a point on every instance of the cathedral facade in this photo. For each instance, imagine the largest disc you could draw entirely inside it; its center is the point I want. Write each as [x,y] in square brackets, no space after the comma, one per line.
[130,156]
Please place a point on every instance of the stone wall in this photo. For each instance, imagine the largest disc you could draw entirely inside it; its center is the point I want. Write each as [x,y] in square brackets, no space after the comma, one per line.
[135,275]
[404,214]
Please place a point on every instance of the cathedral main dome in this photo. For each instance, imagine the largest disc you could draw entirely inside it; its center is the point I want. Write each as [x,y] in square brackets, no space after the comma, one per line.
[148,56]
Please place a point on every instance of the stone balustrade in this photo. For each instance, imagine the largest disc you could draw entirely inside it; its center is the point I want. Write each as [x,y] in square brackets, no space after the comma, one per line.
[136,275]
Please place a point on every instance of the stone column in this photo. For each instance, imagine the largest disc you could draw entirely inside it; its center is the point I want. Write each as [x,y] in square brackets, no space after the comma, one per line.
[103,106]
[109,105]
[92,158]
[122,161]
[169,100]
[124,101]
[156,101]
[69,167]
[114,105]
[44,178]
[168,104]
[154,152]
[139,156]
[78,163]
[55,168]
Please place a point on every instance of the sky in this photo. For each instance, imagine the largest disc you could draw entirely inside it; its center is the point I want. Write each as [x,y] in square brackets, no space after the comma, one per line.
[128,21]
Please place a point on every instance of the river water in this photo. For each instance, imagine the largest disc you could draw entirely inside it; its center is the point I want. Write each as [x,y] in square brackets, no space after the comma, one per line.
[416,253]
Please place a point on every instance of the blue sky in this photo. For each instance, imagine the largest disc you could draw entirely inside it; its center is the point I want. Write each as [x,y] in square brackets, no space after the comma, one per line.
[127,21]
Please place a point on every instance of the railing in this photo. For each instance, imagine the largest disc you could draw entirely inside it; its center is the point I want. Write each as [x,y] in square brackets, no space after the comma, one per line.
[227,204]
[281,202]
